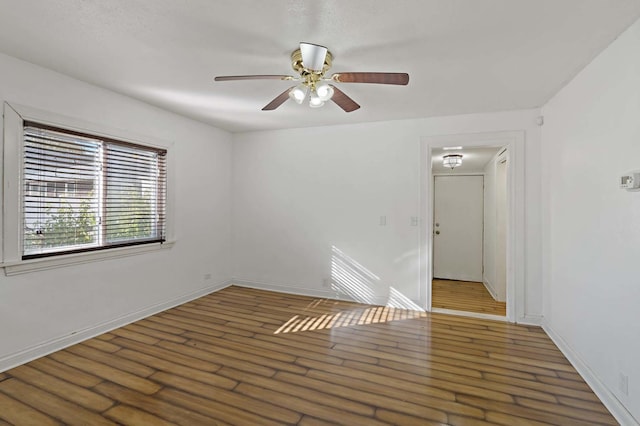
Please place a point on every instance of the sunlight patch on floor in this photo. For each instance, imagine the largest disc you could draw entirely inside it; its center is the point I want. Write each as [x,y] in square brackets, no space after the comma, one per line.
[350,318]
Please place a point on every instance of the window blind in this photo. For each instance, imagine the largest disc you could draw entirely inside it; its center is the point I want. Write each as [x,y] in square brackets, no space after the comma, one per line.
[82,192]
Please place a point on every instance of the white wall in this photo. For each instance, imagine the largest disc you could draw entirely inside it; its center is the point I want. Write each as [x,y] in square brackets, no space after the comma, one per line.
[591,228]
[41,307]
[300,192]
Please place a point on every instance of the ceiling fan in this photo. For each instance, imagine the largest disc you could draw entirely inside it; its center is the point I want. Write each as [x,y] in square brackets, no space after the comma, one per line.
[311,62]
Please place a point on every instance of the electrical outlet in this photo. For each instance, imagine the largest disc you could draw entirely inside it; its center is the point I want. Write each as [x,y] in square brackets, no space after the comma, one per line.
[326,283]
[206,277]
[414,220]
[383,221]
[623,383]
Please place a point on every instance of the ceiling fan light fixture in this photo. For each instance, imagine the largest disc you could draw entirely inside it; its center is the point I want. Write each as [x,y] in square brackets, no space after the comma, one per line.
[315,101]
[298,93]
[324,91]
[452,160]
[311,62]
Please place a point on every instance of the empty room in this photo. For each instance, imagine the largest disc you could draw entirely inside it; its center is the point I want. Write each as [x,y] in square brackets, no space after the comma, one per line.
[420,212]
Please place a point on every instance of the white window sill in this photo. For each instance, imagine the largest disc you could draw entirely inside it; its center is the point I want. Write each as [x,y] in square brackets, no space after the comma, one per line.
[42,264]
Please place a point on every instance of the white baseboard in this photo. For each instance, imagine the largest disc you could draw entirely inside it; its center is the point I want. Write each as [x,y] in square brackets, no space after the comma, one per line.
[622,415]
[304,291]
[468,278]
[492,291]
[56,344]
[489,287]
[279,288]
[530,320]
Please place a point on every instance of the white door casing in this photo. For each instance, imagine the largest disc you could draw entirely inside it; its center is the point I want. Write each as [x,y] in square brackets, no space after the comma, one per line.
[458,227]
[501,231]
[514,141]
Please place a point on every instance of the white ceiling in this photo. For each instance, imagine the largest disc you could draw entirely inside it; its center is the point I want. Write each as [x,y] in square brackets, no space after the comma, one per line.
[463,56]
[474,160]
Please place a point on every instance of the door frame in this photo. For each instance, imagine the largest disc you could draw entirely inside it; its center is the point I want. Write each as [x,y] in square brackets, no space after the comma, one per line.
[514,142]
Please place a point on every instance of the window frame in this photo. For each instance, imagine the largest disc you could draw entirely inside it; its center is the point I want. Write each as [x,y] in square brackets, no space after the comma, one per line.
[11,192]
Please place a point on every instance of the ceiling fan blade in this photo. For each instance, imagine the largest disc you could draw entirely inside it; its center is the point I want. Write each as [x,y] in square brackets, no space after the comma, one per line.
[252,77]
[313,56]
[400,78]
[279,100]
[343,101]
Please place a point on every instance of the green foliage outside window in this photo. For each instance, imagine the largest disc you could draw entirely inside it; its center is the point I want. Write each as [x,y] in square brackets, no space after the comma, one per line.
[66,226]
[129,220]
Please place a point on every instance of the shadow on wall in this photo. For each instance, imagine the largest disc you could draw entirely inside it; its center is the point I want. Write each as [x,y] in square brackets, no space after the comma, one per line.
[352,279]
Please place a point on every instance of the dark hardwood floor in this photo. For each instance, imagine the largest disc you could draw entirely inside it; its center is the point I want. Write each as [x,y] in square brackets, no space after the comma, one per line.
[250,357]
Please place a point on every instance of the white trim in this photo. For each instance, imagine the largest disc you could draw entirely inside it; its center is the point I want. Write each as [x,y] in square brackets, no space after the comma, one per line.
[459,174]
[59,261]
[12,179]
[282,288]
[607,397]
[477,315]
[56,344]
[302,291]
[426,248]
[459,277]
[489,287]
[514,141]
[28,113]
[536,320]
[11,227]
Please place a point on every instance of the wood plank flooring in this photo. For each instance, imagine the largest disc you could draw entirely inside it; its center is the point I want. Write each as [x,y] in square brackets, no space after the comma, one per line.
[466,296]
[250,357]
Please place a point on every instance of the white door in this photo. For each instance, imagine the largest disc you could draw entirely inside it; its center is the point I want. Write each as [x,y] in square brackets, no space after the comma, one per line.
[458,227]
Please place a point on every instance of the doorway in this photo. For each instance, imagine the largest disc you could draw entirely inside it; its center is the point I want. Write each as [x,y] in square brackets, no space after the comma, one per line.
[514,141]
[469,231]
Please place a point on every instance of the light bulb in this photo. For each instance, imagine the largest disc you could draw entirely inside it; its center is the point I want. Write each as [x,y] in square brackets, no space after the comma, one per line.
[315,101]
[298,93]
[324,91]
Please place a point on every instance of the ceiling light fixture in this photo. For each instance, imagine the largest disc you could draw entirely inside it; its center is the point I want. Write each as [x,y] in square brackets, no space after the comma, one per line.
[324,91]
[315,101]
[318,93]
[452,160]
[298,93]
[448,148]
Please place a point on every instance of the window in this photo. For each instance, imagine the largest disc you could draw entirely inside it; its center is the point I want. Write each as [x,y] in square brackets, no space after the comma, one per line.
[84,193]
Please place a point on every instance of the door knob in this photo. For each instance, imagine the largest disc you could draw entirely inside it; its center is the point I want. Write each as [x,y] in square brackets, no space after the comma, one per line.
[437,232]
